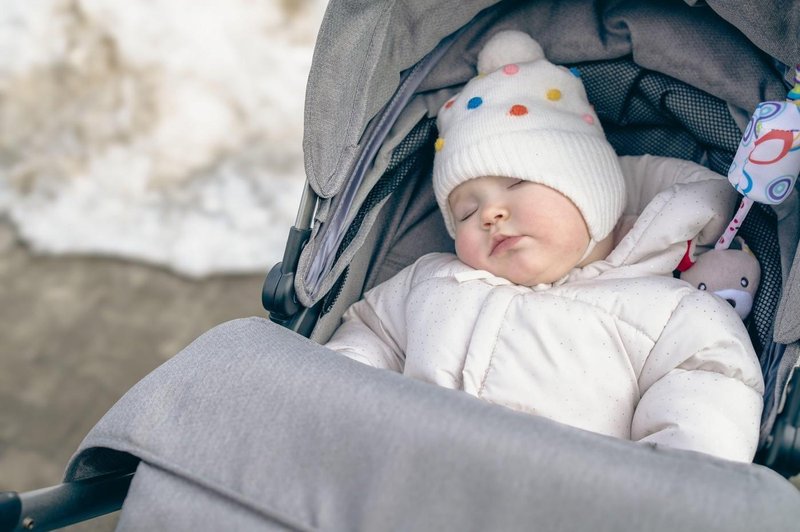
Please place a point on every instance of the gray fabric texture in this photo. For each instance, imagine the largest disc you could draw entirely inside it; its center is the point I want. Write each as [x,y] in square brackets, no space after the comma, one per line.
[784,360]
[319,263]
[771,24]
[155,494]
[361,49]
[392,124]
[349,284]
[788,216]
[254,427]
[787,320]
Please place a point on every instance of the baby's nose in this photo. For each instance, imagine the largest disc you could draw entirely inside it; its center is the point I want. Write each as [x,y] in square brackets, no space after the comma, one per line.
[492,215]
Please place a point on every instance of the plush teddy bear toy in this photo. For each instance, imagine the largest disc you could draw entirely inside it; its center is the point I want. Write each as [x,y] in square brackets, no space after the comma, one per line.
[733,274]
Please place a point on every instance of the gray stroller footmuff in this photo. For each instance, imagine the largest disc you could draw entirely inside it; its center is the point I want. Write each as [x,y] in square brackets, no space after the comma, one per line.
[253,427]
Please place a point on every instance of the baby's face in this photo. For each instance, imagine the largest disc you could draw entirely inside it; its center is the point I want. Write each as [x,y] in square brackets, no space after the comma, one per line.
[524,232]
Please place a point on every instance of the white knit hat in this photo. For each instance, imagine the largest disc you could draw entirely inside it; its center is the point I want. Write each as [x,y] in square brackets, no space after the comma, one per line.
[526,118]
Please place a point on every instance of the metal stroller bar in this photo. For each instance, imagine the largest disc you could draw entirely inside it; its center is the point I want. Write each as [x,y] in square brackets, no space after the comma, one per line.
[278,294]
[64,504]
[305,212]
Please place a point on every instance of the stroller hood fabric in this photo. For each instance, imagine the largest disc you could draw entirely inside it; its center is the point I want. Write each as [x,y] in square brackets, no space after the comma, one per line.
[365,45]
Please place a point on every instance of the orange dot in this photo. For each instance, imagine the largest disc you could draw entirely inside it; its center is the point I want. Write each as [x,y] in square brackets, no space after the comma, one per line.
[553,95]
[450,103]
[518,110]
[439,144]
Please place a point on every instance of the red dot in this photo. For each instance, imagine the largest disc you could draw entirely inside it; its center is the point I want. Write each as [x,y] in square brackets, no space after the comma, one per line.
[518,110]
[449,104]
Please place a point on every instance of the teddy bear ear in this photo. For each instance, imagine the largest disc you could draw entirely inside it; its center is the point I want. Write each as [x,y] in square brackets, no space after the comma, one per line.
[507,47]
[738,243]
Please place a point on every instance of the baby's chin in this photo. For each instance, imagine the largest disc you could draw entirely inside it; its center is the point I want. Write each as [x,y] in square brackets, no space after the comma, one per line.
[520,277]
[533,274]
[532,280]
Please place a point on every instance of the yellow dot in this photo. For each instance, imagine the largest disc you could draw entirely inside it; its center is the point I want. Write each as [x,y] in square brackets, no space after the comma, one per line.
[480,75]
[439,144]
[553,94]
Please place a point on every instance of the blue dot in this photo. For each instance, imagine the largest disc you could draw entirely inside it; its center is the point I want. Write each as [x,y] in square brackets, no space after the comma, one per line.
[475,102]
[575,72]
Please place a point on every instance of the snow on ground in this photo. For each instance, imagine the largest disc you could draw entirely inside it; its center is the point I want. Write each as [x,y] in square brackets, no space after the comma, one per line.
[165,131]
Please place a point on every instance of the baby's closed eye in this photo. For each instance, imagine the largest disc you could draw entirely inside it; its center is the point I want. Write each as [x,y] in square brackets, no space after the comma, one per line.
[464,214]
[463,208]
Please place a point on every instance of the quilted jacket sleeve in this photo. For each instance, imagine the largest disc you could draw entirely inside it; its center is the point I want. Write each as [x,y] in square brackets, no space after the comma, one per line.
[701,386]
[373,330]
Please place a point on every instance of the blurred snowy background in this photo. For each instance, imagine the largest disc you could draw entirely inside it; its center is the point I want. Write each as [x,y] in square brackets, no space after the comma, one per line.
[165,131]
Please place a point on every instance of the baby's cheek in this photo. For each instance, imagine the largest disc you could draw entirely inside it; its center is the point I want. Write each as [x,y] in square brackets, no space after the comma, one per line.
[467,249]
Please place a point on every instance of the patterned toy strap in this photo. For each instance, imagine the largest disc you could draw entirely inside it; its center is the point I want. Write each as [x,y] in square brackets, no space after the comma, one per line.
[767,161]
[794,94]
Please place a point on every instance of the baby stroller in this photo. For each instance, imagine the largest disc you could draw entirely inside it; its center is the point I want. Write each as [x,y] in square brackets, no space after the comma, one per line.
[255,427]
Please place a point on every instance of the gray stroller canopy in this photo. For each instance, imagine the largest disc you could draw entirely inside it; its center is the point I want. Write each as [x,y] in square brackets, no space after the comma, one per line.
[364,45]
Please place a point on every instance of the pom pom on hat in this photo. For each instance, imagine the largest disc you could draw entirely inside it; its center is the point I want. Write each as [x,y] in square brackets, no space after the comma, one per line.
[508,47]
[527,118]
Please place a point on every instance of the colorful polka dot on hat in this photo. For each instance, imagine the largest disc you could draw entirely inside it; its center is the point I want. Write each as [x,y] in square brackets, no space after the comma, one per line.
[526,118]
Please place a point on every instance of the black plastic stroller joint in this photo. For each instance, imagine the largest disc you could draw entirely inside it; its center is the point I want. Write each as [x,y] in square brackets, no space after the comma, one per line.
[278,295]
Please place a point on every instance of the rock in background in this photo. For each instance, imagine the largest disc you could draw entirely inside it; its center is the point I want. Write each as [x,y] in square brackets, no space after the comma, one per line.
[164,131]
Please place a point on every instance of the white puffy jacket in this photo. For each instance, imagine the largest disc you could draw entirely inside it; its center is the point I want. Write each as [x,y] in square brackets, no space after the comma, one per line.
[618,347]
